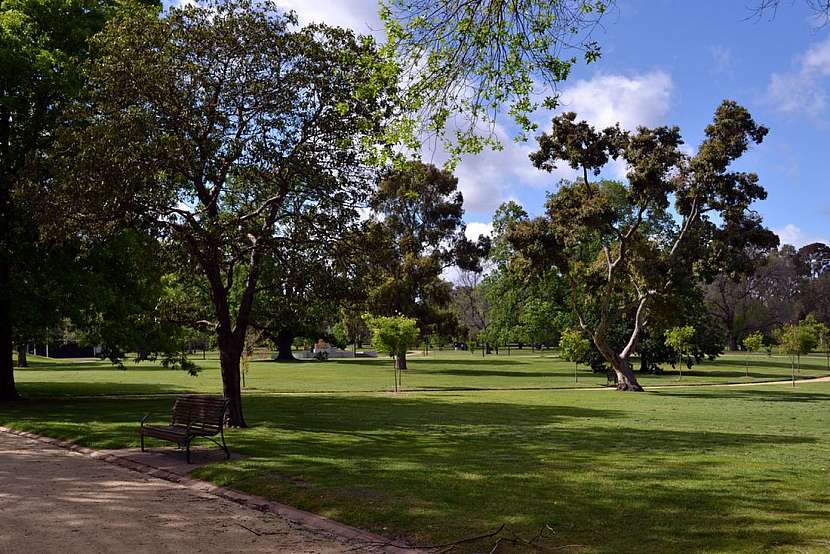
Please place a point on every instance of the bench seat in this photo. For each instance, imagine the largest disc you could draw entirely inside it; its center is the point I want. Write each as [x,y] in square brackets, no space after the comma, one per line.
[192,416]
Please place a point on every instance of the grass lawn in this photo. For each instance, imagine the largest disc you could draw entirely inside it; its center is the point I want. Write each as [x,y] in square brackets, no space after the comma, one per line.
[448,371]
[672,470]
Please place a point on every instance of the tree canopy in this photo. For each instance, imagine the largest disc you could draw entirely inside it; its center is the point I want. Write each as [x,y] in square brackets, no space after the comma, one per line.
[618,246]
[467,61]
[415,233]
[216,126]
[43,44]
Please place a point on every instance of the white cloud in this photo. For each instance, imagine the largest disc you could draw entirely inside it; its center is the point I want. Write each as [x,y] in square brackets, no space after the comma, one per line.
[801,91]
[817,58]
[476,228]
[630,101]
[360,15]
[722,59]
[490,178]
[795,236]
[796,92]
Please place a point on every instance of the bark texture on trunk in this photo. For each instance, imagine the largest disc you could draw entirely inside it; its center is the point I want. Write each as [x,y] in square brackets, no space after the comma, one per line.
[285,340]
[22,360]
[229,356]
[626,380]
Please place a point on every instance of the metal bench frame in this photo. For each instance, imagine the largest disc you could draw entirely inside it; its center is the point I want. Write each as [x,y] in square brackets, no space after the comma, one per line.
[185,425]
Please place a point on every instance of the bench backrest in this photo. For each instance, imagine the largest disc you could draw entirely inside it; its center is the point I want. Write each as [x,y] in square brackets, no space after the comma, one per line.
[201,412]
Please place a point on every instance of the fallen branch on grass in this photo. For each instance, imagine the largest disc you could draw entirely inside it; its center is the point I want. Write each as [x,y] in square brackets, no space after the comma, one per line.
[512,539]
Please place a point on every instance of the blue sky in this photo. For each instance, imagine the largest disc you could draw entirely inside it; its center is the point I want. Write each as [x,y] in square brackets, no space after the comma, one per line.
[672,62]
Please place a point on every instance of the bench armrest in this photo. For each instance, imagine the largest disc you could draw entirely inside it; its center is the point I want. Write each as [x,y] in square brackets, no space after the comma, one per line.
[144,419]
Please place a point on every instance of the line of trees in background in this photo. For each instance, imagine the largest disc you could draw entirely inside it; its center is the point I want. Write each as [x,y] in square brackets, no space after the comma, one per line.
[785,289]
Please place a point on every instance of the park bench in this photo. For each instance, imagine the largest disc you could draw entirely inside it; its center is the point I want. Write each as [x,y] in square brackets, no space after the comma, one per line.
[193,416]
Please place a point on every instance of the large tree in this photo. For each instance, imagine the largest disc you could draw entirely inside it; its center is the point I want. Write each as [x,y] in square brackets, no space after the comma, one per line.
[624,261]
[304,284]
[214,125]
[42,46]
[415,233]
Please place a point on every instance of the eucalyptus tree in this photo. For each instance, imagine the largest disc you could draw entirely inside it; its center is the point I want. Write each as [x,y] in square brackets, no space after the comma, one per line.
[415,233]
[820,8]
[304,283]
[614,245]
[214,125]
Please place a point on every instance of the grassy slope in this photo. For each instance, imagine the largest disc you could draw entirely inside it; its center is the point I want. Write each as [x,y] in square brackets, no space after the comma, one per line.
[670,470]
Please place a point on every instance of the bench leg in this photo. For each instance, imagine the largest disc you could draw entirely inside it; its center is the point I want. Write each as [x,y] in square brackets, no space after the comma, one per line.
[225,447]
[187,447]
[142,441]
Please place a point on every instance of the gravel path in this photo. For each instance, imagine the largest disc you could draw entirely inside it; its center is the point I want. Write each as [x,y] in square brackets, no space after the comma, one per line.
[54,500]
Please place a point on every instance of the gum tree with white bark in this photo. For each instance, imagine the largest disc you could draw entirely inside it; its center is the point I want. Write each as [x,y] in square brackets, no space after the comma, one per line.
[613,243]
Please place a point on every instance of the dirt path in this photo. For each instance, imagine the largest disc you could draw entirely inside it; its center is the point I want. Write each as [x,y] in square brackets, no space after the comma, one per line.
[54,500]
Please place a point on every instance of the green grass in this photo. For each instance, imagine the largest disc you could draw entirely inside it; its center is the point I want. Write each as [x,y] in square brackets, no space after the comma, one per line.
[448,371]
[672,470]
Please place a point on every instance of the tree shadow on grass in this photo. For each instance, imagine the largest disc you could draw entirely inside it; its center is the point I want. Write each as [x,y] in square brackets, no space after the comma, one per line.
[736,375]
[789,395]
[496,373]
[94,422]
[73,389]
[433,469]
[94,366]
[416,363]
[810,364]
[438,470]
[472,361]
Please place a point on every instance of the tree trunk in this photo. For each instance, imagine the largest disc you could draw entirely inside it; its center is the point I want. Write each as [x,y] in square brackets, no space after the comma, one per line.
[285,340]
[400,360]
[229,360]
[792,369]
[626,380]
[8,391]
[22,360]
[733,341]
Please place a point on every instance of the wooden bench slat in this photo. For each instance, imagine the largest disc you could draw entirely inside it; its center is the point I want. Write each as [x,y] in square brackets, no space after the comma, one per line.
[192,416]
